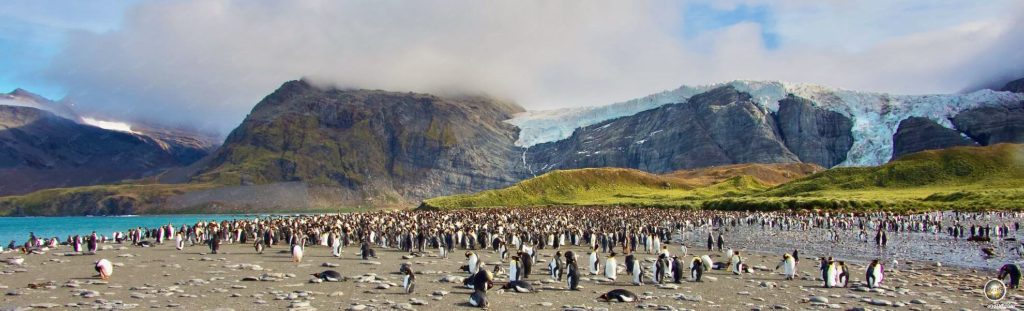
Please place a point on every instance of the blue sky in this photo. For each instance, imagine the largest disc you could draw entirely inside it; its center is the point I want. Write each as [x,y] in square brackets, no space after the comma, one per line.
[33,32]
[205,63]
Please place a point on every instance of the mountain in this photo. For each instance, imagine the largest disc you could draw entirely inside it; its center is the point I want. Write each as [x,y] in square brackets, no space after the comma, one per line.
[39,150]
[1016,86]
[375,147]
[874,117]
[615,186]
[722,126]
[24,98]
[962,178]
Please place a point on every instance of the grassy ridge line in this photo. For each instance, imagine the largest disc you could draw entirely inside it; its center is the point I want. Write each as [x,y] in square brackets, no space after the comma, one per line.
[606,186]
[110,199]
[963,178]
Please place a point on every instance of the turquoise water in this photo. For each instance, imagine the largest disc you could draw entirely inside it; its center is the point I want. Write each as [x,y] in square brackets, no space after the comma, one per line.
[17,228]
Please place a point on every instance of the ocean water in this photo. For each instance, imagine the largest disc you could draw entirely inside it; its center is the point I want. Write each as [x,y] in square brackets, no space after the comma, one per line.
[18,228]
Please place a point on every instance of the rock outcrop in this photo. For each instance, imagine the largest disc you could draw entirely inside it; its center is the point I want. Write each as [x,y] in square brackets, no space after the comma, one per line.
[919,134]
[1016,86]
[41,150]
[380,147]
[722,126]
[993,124]
[814,134]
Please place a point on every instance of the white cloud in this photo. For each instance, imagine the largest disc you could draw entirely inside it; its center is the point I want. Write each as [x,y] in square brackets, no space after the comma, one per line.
[206,63]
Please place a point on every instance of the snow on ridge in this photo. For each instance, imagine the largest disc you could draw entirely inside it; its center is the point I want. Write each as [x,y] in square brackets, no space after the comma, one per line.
[875,116]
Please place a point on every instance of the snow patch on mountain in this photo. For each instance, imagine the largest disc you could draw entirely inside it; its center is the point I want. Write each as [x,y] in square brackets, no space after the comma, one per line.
[875,115]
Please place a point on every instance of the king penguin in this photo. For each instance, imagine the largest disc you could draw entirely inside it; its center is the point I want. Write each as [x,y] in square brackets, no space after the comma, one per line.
[610,267]
[297,253]
[788,265]
[105,268]
[409,280]
[572,272]
[874,274]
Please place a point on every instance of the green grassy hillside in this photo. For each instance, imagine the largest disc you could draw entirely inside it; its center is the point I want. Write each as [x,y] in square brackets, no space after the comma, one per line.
[966,178]
[616,186]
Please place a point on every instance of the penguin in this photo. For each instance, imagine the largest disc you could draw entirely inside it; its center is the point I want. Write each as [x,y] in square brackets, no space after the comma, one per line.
[527,260]
[518,286]
[471,260]
[76,244]
[514,271]
[843,279]
[874,274]
[329,276]
[708,263]
[179,243]
[831,274]
[555,266]
[258,246]
[105,268]
[483,280]
[478,299]
[572,275]
[297,253]
[677,270]
[409,280]
[620,295]
[658,270]
[788,265]
[214,244]
[630,258]
[1013,272]
[610,265]
[638,273]
[593,262]
[696,269]
[736,263]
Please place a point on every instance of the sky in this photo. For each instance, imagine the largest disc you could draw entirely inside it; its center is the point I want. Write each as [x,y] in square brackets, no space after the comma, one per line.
[205,63]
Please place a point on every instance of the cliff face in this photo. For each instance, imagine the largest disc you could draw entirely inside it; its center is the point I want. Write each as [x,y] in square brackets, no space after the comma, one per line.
[920,134]
[814,134]
[722,126]
[41,150]
[380,147]
[993,124]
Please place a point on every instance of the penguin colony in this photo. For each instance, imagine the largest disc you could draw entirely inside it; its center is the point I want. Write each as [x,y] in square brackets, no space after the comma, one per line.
[634,235]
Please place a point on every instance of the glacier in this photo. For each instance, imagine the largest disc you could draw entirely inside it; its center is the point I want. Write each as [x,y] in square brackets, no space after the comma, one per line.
[875,116]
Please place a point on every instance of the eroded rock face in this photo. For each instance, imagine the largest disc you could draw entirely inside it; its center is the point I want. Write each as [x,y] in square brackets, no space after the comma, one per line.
[383,147]
[814,134]
[993,124]
[1016,86]
[40,150]
[919,134]
[722,126]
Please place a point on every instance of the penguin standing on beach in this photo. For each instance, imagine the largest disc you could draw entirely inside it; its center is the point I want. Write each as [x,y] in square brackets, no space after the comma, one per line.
[658,270]
[874,274]
[179,241]
[708,263]
[105,268]
[788,265]
[297,253]
[514,269]
[831,274]
[409,280]
[572,271]
[214,243]
[610,265]
[696,269]
[638,273]
[471,261]
[258,246]
[630,258]
[677,270]
[1013,272]
[555,266]
[736,263]
[76,244]
[527,260]
[593,262]
[843,279]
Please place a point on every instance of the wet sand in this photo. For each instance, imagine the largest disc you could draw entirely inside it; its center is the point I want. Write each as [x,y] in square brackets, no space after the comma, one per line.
[162,277]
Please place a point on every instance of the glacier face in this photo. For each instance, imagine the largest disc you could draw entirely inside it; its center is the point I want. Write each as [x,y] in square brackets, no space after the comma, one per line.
[875,115]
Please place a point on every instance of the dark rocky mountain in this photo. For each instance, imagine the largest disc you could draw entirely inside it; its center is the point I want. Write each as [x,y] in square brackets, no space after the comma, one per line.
[919,134]
[722,126]
[814,134]
[1016,86]
[21,97]
[39,150]
[993,124]
[379,147]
